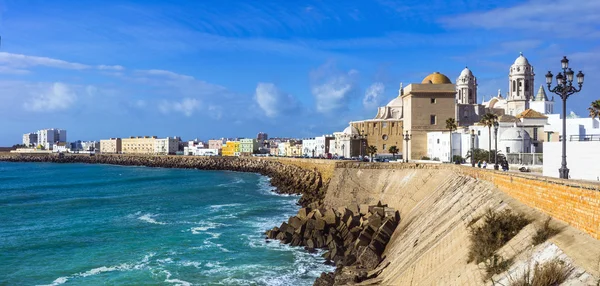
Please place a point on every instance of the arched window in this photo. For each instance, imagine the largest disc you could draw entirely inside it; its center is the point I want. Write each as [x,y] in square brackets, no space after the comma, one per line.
[470,96]
[526,85]
[514,85]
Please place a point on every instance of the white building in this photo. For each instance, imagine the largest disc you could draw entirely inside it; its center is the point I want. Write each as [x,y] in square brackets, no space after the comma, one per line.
[30,139]
[309,147]
[166,146]
[281,148]
[347,143]
[49,137]
[582,159]
[199,151]
[576,127]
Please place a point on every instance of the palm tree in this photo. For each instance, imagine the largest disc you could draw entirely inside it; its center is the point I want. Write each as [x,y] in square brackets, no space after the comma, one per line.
[594,109]
[451,125]
[394,150]
[371,150]
[488,120]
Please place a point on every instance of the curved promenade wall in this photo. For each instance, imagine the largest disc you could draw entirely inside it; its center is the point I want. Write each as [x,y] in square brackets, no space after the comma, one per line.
[574,202]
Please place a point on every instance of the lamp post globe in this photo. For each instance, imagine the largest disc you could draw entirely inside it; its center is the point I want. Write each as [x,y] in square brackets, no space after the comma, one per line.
[564,88]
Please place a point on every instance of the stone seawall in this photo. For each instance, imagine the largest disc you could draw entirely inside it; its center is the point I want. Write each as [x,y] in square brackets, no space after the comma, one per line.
[575,202]
[286,178]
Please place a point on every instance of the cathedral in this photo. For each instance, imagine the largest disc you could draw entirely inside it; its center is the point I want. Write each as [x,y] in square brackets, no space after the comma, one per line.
[520,96]
[422,108]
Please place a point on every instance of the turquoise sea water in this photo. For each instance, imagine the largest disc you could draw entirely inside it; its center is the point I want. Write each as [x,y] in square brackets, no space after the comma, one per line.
[78,224]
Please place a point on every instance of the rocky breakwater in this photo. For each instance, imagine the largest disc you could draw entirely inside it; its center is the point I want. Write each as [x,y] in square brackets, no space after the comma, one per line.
[287,179]
[354,237]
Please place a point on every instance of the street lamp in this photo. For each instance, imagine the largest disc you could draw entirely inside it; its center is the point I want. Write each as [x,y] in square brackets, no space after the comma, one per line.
[407,138]
[496,145]
[472,148]
[564,88]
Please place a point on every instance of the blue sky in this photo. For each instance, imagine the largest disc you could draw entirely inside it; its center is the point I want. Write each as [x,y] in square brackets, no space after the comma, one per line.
[209,69]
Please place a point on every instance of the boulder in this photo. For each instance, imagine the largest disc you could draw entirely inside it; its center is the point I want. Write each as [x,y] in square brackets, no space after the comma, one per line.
[303,212]
[320,224]
[326,279]
[363,209]
[368,258]
[295,222]
[330,217]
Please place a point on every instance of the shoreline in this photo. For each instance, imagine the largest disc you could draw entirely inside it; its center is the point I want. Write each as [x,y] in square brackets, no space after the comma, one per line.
[353,238]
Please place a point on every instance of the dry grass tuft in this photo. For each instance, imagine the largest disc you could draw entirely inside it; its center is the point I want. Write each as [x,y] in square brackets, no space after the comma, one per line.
[545,232]
[553,272]
[497,230]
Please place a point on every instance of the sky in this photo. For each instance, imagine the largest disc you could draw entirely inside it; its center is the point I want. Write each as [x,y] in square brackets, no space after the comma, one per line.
[212,69]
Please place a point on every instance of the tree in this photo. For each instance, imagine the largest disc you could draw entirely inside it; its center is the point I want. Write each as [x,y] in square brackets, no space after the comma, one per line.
[371,150]
[488,120]
[481,155]
[451,125]
[594,109]
[394,150]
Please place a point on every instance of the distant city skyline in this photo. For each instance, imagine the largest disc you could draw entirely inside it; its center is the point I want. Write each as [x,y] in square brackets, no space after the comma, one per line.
[215,69]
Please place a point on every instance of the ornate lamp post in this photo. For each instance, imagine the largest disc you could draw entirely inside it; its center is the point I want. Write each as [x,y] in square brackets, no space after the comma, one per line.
[407,138]
[472,148]
[564,88]
[496,145]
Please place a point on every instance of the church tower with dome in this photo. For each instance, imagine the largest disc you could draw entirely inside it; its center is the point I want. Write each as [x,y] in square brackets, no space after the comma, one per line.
[466,87]
[521,86]
[468,111]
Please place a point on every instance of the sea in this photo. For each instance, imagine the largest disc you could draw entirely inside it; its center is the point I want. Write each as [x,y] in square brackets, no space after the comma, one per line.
[81,224]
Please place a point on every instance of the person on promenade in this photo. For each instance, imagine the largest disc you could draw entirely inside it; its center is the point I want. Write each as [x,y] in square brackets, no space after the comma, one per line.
[485,164]
[479,164]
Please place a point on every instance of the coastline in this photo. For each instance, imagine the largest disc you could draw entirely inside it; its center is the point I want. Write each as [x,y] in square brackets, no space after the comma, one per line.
[287,179]
[353,237]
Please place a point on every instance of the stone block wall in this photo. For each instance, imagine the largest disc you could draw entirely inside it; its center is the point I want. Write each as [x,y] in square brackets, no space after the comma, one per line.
[574,202]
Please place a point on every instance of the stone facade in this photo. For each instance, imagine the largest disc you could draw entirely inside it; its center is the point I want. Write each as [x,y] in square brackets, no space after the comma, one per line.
[111,146]
[138,145]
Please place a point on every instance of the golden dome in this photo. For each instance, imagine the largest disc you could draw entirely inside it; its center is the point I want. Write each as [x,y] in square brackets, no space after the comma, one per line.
[436,78]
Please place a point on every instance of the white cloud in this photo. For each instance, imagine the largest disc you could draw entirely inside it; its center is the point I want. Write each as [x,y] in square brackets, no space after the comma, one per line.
[165,73]
[332,89]
[272,100]
[536,16]
[112,68]
[373,95]
[23,61]
[58,96]
[187,106]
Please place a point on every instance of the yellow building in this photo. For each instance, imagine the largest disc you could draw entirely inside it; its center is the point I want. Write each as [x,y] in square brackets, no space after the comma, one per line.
[112,145]
[231,148]
[138,145]
[419,108]
[426,107]
[293,148]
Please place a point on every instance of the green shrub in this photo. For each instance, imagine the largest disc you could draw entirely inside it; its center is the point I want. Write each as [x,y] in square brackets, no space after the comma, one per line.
[425,158]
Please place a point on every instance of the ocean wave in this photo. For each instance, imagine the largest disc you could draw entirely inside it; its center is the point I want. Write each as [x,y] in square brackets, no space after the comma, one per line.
[218,207]
[175,281]
[95,271]
[204,226]
[149,218]
[235,182]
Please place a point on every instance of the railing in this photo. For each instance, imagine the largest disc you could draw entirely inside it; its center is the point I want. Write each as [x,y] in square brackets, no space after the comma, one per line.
[525,158]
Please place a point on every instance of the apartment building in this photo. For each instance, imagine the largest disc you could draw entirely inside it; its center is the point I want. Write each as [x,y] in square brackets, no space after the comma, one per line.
[111,146]
[138,145]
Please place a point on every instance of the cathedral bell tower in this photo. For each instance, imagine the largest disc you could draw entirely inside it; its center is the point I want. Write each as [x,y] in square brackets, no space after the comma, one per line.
[520,86]
[466,87]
